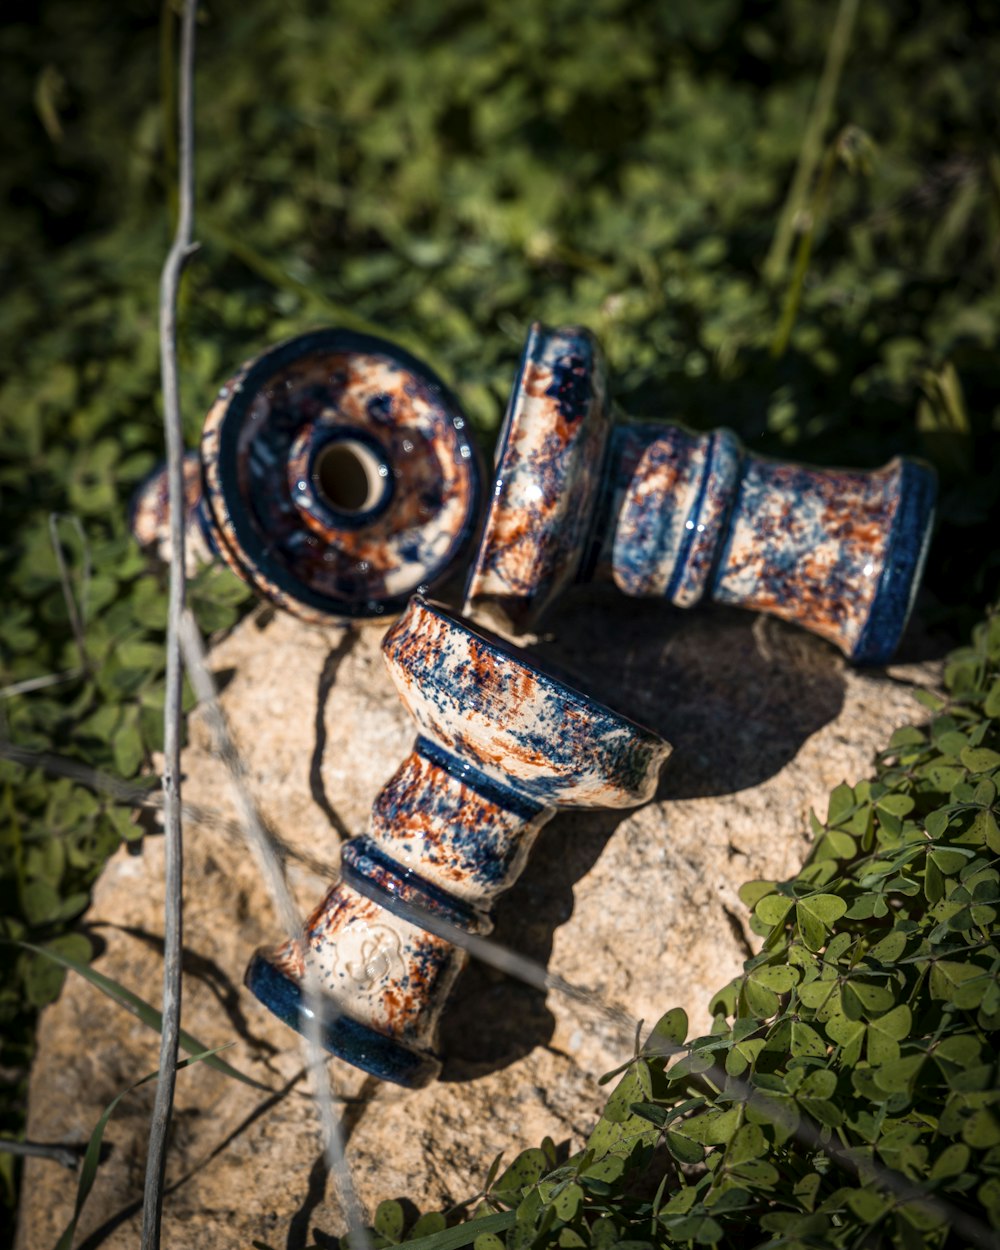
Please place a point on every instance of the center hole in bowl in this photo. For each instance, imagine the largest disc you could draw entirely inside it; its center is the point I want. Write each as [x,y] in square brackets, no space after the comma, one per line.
[350,476]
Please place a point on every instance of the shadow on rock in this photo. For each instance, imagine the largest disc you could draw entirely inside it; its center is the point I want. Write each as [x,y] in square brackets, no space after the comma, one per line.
[299,1235]
[735,694]
[208,971]
[327,678]
[100,1234]
[493,1020]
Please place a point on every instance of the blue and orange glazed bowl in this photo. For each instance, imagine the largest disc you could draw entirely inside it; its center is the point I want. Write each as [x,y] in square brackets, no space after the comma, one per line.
[501,746]
[661,510]
[336,475]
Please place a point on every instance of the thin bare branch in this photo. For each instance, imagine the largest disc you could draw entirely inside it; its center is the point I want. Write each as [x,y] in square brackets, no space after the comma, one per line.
[76,611]
[39,683]
[68,1156]
[315,1004]
[127,792]
[173,905]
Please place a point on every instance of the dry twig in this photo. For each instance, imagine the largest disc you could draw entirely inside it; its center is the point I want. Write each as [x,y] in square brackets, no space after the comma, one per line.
[316,1006]
[170,278]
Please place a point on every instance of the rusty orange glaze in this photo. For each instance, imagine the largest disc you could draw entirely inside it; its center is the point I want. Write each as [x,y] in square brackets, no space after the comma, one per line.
[503,745]
[687,516]
[832,586]
[302,553]
[547,478]
[287,958]
[150,513]
[523,726]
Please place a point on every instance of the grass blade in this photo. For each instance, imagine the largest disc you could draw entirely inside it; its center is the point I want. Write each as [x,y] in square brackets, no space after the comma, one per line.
[462,1235]
[91,1159]
[143,1010]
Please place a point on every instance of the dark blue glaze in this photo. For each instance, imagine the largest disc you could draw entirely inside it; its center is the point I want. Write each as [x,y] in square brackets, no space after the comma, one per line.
[271,523]
[544,487]
[466,831]
[688,533]
[388,882]
[900,578]
[465,771]
[305,493]
[687,516]
[205,527]
[452,827]
[570,386]
[560,745]
[384,1057]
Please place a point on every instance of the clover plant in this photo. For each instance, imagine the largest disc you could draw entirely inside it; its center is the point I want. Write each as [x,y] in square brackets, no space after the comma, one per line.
[847,1094]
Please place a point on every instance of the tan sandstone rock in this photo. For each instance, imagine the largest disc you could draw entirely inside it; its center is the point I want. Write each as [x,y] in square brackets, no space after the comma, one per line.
[640,908]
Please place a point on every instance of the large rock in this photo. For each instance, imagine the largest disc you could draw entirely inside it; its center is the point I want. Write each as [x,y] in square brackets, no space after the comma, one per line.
[640,908]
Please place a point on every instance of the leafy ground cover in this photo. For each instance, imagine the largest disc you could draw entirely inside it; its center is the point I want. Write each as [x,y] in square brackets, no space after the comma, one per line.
[443,172]
[848,1094]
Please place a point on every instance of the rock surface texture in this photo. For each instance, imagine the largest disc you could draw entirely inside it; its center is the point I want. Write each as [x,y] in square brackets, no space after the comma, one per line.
[640,908]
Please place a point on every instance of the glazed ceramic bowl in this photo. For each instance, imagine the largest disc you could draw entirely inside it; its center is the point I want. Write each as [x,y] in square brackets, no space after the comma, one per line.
[661,510]
[337,477]
[501,746]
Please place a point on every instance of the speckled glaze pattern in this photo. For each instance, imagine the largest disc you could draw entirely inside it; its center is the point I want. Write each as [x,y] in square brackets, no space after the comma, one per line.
[263,499]
[549,458]
[319,561]
[502,745]
[480,698]
[822,547]
[149,515]
[837,551]
[691,517]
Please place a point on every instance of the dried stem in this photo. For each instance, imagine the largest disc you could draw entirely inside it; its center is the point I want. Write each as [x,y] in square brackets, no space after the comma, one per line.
[128,792]
[170,278]
[76,613]
[68,1156]
[316,1006]
[812,141]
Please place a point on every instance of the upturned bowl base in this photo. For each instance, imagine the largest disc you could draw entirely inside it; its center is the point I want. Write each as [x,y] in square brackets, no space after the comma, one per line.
[382,1056]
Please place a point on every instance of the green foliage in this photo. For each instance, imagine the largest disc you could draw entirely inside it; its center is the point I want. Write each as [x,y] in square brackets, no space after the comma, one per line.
[848,1094]
[92,1155]
[448,171]
[106,713]
[444,172]
[139,1008]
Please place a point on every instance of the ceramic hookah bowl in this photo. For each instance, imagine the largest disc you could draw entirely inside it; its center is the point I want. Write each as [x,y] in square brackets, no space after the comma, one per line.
[335,475]
[663,511]
[501,745]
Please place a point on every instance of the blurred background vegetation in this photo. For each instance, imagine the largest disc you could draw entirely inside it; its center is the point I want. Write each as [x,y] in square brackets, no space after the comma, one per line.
[443,172]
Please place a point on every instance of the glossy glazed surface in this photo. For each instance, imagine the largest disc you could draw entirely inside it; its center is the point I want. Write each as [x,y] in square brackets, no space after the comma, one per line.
[502,745]
[481,699]
[548,467]
[321,556]
[823,548]
[692,516]
[837,551]
[337,477]
[149,515]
